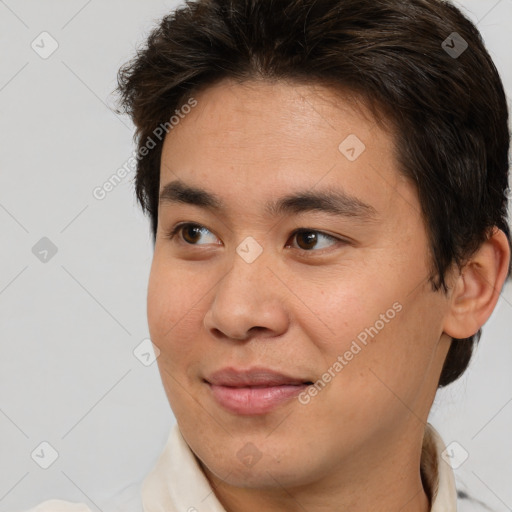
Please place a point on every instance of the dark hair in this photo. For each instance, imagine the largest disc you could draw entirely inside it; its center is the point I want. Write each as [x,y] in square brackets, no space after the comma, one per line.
[446,102]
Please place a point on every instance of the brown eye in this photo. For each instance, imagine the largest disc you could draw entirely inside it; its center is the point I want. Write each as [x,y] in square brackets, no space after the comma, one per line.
[308,239]
[190,233]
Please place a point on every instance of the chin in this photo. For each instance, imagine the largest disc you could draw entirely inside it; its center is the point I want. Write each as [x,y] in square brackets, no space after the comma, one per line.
[266,473]
[249,478]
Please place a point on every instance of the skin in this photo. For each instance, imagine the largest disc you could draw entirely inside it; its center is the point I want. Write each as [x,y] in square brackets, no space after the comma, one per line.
[357,444]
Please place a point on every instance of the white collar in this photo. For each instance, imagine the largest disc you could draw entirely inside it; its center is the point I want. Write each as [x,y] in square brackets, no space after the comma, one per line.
[445,492]
[178,484]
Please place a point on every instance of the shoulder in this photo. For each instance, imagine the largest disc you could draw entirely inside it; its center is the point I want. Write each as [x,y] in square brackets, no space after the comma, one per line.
[59,506]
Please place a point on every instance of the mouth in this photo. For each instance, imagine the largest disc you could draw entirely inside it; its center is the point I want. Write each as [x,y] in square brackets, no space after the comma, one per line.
[254,391]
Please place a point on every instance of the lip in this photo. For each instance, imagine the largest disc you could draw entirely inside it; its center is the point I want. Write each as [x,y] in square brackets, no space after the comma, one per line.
[253,391]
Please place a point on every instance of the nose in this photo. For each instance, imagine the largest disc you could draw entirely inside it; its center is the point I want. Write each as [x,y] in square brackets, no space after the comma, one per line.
[249,300]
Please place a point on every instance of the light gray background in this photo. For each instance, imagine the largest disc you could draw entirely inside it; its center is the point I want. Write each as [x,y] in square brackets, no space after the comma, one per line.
[69,326]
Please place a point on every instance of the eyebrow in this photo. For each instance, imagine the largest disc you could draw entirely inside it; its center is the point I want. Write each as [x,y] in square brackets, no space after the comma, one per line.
[335,202]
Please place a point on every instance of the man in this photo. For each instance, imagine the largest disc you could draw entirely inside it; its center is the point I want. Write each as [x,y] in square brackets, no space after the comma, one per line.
[326,182]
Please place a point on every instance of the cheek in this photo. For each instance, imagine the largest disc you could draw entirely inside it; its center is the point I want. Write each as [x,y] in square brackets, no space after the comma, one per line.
[392,371]
[374,325]
[173,301]
[350,307]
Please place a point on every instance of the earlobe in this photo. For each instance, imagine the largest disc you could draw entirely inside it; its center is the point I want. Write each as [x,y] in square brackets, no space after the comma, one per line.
[477,289]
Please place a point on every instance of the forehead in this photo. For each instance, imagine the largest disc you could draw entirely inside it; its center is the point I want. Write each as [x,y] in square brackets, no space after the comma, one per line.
[276,105]
[257,138]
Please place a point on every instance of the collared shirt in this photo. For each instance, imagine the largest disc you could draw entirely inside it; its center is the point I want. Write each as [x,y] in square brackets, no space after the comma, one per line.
[178,484]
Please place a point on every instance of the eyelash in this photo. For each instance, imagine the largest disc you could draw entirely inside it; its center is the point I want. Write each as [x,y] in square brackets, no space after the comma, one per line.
[179,227]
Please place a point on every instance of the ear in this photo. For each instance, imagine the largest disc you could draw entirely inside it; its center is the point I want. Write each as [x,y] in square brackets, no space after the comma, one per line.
[477,289]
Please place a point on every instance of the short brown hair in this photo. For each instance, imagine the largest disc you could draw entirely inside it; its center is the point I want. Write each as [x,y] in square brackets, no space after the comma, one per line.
[448,108]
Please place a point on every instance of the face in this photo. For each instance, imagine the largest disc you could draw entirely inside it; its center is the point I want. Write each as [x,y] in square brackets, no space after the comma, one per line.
[299,337]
